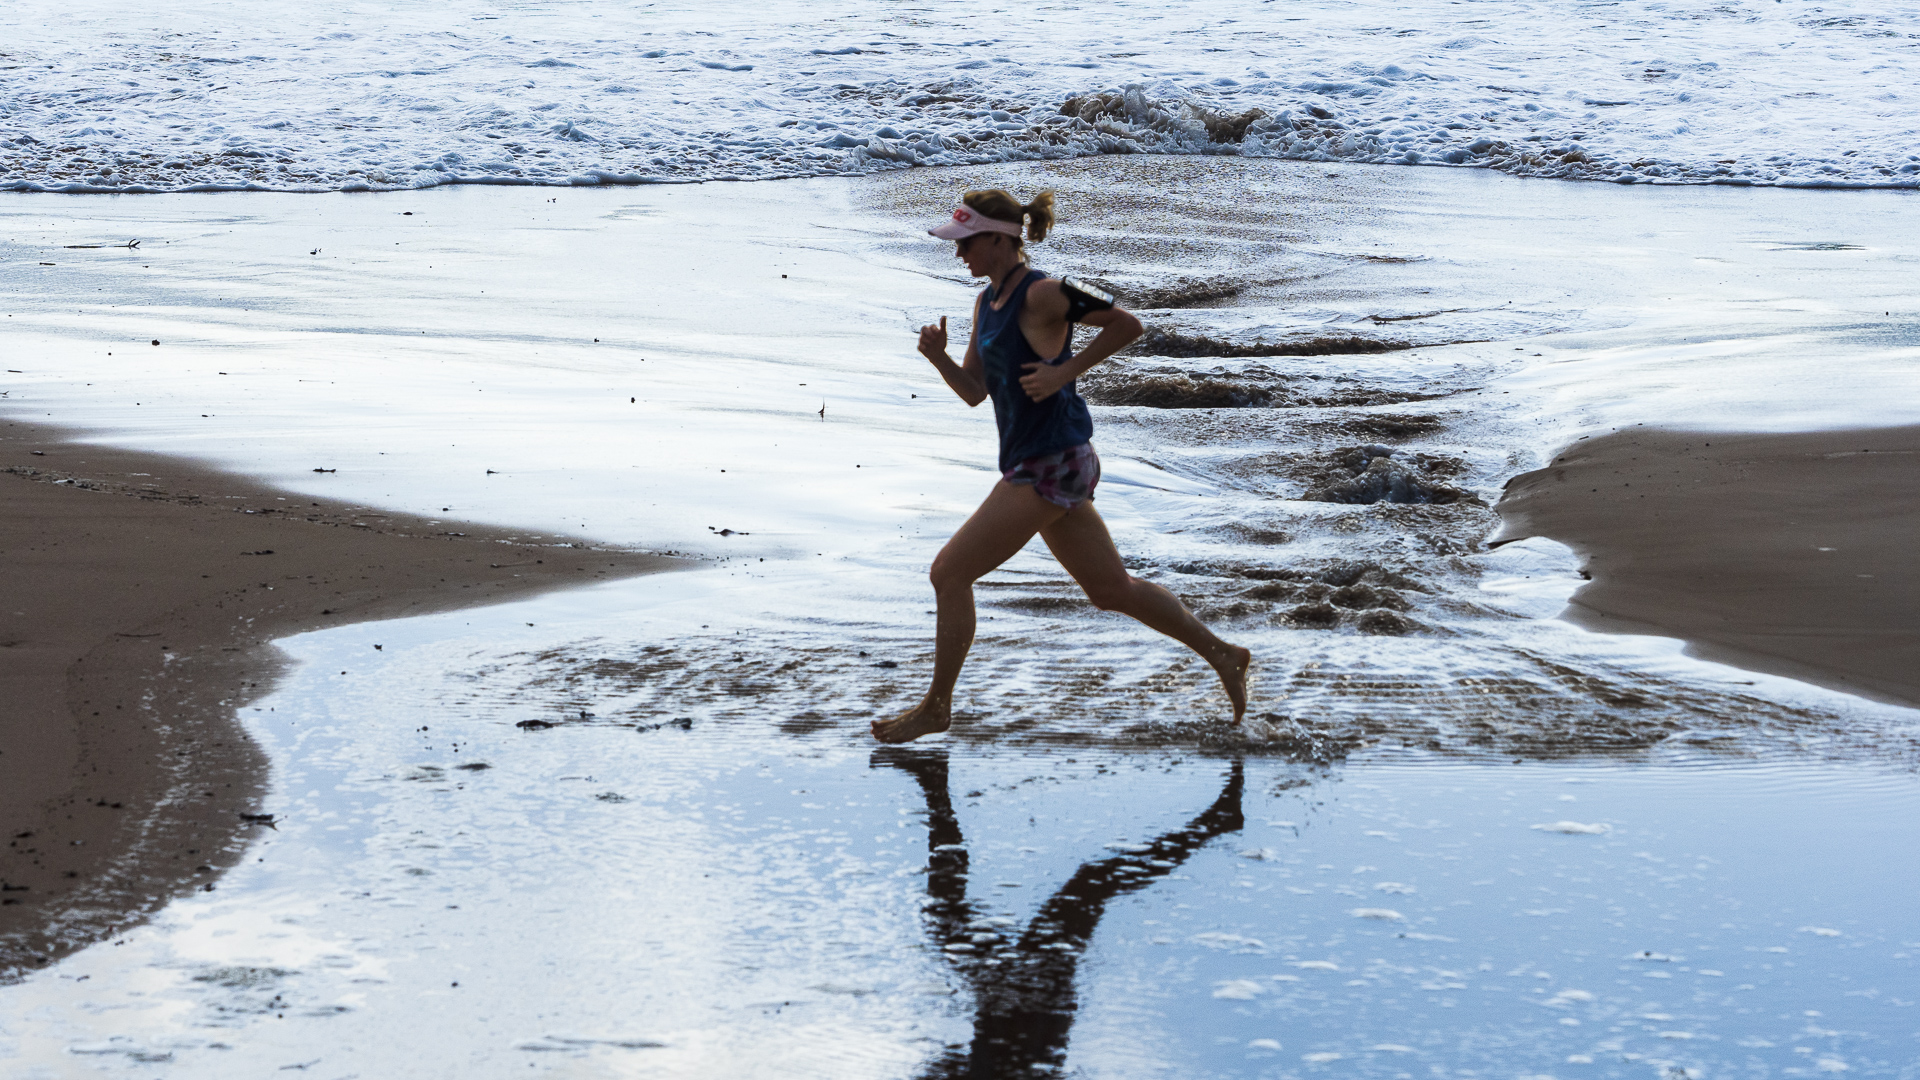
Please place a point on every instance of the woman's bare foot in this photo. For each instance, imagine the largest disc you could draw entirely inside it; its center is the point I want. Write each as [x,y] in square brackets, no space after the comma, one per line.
[1232,663]
[927,718]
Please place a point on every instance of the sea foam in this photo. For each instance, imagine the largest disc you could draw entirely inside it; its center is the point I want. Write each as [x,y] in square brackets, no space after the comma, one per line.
[308,98]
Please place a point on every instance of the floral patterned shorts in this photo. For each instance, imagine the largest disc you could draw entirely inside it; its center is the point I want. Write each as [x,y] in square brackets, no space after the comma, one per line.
[1066,479]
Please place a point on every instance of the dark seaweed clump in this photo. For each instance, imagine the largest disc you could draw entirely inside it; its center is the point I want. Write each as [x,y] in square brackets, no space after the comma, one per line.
[1128,384]
[1174,390]
[1390,426]
[1338,574]
[1372,474]
[1158,342]
[1112,108]
[1183,292]
[1366,596]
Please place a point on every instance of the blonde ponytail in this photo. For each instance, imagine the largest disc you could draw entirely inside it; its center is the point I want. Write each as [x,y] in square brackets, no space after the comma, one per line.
[1000,205]
[1039,214]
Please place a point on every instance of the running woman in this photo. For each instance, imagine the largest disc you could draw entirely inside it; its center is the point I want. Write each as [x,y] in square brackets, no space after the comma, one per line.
[1021,355]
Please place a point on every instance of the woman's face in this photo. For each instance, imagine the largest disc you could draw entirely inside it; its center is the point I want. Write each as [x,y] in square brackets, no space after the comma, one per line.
[982,253]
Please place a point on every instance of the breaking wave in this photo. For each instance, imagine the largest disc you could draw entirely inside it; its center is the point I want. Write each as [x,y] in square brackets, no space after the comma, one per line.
[285,99]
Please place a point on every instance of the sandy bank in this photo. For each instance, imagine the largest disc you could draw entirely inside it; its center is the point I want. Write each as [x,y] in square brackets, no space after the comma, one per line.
[1788,553]
[141,595]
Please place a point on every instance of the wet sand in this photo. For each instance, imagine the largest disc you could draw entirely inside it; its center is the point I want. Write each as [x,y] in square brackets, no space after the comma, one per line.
[142,595]
[1784,553]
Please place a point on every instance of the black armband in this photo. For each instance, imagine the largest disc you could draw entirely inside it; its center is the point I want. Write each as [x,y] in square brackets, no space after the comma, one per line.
[1083,298]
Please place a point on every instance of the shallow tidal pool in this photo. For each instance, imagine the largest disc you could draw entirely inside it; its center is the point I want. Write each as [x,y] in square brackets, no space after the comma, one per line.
[451,893]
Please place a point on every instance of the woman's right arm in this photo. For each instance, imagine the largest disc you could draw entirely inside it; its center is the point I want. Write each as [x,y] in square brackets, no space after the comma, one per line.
[967,379]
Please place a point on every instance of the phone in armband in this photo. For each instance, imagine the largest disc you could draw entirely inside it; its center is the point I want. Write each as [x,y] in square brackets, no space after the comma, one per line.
[1083,298]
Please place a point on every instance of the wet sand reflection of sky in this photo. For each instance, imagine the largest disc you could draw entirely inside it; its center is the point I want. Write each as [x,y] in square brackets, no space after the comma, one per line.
[724,898]
[1023,982]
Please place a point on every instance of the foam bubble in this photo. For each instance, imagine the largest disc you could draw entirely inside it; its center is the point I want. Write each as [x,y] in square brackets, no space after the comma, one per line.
[1233,942]
[1575,828]
[1238,989]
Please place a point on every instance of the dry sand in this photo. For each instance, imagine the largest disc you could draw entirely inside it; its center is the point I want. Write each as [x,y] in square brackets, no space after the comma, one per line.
[1791,554]
[141,593]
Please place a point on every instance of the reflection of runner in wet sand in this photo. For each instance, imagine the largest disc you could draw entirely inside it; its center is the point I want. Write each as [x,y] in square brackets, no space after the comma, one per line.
[1023,983]
[1021,355]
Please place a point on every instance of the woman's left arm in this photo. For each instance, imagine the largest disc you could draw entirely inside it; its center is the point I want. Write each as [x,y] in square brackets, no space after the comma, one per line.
[1118,329]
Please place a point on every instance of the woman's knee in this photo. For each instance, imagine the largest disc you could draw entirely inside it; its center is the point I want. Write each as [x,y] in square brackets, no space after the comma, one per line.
[1110,595]
[947,573]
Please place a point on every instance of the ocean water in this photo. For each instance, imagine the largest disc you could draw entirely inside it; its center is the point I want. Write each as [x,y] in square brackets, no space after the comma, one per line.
[215,95]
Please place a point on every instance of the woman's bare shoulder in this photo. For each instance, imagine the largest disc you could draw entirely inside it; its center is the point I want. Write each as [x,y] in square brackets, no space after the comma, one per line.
[1045,298]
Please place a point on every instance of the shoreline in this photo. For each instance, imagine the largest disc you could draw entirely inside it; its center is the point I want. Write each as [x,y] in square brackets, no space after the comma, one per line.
[1779,553]
[126,663]
[601,178]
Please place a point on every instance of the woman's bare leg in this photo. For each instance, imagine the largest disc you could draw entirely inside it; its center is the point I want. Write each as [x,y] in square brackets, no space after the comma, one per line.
[1079,539]
[1008,518]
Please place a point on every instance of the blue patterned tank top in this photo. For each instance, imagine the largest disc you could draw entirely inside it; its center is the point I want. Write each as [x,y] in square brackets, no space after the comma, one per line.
[1028,428]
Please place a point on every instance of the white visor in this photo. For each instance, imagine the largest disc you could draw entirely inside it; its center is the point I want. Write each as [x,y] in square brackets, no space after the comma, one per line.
[968,221]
